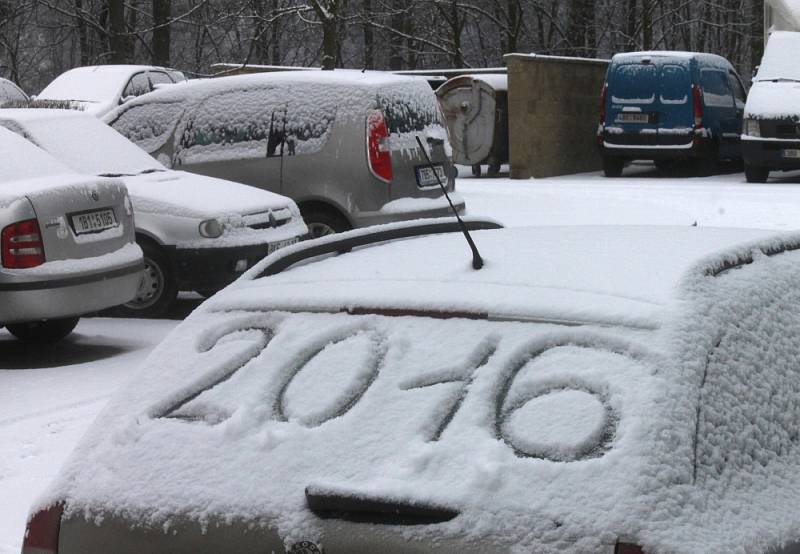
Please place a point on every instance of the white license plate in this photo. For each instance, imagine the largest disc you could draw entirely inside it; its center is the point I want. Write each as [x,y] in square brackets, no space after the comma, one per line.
[791,153]
[633,118]
[273,246]
[93,222]
[427,177]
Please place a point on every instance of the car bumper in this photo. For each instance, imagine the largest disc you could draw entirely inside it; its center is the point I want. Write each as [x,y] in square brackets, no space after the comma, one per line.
[67,296]
[423,208]
[770,153]
[215,268]
[659,148]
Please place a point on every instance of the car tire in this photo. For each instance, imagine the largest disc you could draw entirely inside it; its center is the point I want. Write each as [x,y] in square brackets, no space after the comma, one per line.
[613,166]
[48,331]
[321,222]
[476,170]
[157,290]
[755,174]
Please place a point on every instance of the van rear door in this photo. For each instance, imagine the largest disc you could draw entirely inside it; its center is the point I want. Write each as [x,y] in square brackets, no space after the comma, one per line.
[676,116]
[633,116]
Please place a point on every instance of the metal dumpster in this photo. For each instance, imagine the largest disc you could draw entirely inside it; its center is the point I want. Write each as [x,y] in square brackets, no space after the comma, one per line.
[476,110]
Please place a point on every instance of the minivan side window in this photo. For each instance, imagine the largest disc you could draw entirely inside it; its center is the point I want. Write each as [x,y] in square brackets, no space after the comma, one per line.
[138,85]
[267,122]
[738,90]
[716,91]
[149,125]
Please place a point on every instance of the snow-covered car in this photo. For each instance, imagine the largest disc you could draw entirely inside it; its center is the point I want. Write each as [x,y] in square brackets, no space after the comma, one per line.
[11,93]
[98,89]
[342,144]
[771,133]
[66,243]
[197,233]
[590,390]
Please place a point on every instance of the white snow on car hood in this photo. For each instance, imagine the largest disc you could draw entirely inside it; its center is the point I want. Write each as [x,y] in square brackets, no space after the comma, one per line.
[190,195]
[620,275]
[770,100]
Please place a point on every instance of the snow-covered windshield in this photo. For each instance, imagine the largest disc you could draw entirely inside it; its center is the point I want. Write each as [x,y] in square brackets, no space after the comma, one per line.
[23,160]
[780,58]
[634,83]
[82,84]
[89,146]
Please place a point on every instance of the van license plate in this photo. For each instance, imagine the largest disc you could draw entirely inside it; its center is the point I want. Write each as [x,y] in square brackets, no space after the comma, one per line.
[93,222]
[426,176]
[633,117]
[273,246]
[791,153]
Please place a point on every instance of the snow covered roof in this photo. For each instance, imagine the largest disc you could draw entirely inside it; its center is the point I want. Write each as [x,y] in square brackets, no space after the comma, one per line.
[536,437]
[622,275]
[713,58]
[780,57]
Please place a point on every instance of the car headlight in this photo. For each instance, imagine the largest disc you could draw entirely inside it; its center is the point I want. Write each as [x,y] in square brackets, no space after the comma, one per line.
[211,228]
[752,127]
[295,211]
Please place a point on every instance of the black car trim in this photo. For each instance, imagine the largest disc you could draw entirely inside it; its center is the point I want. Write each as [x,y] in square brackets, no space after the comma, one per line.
[71,281]
[359,509]
[347,243]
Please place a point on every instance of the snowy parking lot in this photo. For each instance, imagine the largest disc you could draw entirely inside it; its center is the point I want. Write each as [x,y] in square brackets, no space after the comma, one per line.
[48,396]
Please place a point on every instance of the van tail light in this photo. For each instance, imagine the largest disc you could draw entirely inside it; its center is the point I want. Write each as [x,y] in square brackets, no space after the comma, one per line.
[378,153]
[603,105]
[41,533]
[697,102]
[628,548]
[21,245]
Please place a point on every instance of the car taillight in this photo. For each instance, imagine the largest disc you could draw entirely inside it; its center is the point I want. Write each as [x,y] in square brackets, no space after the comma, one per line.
[697,102]
[378,153]
[603,105]
[628,548]
[41,533]
[22,245]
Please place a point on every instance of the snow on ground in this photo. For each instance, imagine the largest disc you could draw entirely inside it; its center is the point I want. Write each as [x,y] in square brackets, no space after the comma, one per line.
[49,396]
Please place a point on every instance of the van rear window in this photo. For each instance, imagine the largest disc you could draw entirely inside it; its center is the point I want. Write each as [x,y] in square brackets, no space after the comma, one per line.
[675,85]
[634,83]
[409,109]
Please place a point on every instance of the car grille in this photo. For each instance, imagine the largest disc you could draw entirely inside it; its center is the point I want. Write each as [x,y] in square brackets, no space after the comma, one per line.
[268,220]
[780,129]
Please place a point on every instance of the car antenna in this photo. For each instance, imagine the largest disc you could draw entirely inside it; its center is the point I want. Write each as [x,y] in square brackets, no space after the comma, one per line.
[477,261]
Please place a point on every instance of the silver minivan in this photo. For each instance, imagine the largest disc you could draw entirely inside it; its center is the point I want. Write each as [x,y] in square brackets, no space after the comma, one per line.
[342,144]
[66,243]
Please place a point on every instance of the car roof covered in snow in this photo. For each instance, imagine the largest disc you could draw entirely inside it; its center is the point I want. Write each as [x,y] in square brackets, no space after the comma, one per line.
[621,275]
[712,59]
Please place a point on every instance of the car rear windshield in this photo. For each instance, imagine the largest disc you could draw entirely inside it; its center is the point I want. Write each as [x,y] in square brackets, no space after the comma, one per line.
[634,83]
[409,108]
[89,86]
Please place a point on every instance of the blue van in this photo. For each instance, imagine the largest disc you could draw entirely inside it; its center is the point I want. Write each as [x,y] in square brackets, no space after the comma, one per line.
[668,106]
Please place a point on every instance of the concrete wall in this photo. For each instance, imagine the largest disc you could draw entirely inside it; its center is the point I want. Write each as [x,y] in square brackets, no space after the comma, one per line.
[554,105]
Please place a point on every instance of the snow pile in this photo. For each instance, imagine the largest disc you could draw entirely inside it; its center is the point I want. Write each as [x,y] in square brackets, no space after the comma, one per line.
[680,437]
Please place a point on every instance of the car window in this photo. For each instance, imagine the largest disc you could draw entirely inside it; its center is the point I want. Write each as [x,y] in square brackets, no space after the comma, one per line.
[149,125]
[739,95]
[716,90]
[137,86]
[159,78]
[10,93]
[675,84]
[634,83]
[267,122]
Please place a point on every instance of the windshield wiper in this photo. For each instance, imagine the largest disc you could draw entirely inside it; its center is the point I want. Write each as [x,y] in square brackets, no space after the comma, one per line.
[115,175]
[152,170]
[779,80]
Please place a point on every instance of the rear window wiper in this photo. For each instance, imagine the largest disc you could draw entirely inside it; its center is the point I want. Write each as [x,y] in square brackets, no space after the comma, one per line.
[115,175]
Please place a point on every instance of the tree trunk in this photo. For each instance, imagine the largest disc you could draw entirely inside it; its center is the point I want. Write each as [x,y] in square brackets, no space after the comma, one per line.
[161,32]
[630,29]
[117,40]
[369,56]
[83,37]
[330,46]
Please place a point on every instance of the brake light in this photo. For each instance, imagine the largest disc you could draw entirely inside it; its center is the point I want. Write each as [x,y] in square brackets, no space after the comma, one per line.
[378,153]
[41,533]
[628,548]
[603,104]
[697,102]
[21,245]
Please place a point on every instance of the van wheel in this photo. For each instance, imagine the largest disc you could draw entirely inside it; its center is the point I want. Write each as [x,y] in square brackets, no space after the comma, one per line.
[321,222]
[756,174]
[51,330]
[612,166]
[476,170]
[157,289]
